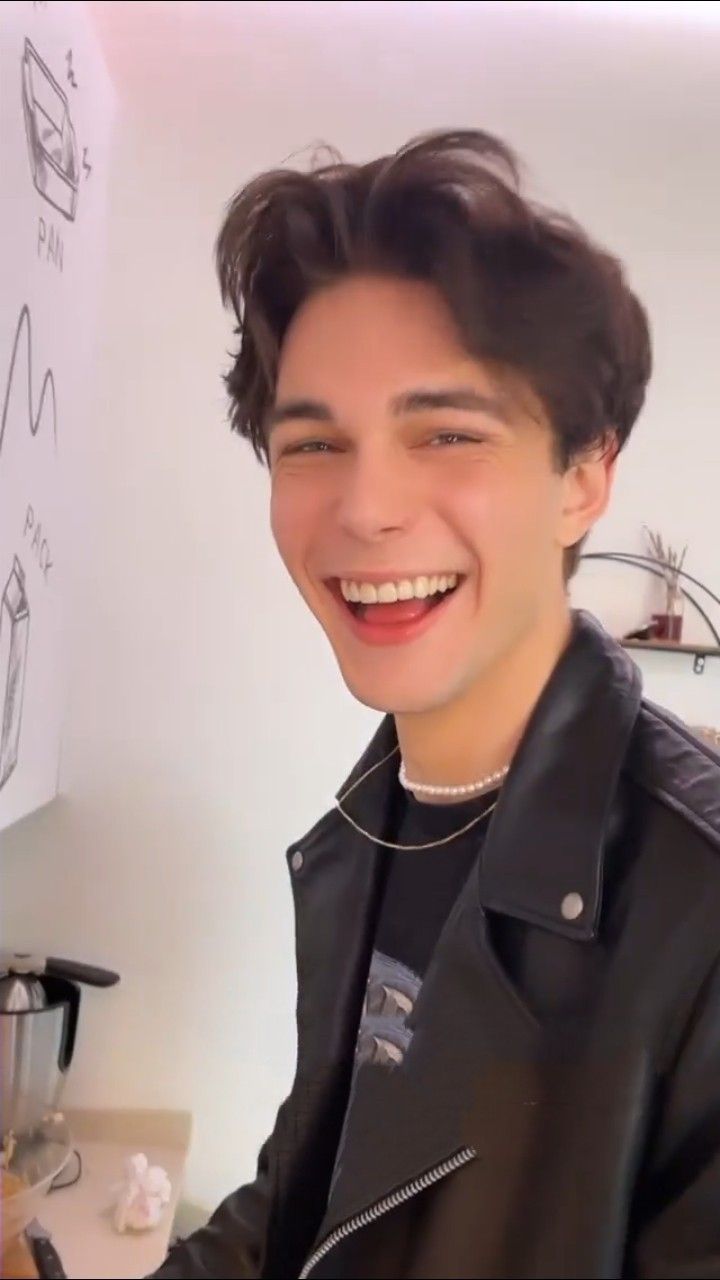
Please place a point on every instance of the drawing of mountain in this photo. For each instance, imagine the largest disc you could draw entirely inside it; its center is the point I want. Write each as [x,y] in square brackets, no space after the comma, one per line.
[47,387]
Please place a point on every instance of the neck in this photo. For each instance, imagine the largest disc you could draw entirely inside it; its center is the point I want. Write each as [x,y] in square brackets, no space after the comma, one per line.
[478,733]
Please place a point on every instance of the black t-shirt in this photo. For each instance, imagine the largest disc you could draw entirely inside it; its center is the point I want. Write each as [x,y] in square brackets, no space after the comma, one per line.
[419,891]
[420,888]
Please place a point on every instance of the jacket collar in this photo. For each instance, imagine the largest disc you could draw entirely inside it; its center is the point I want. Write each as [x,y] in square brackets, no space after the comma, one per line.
[547,834]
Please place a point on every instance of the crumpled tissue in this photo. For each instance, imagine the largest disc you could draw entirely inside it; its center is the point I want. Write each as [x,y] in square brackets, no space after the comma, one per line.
[142,1195]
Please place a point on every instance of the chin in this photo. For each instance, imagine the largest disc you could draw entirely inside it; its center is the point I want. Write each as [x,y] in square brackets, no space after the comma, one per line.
[400,696]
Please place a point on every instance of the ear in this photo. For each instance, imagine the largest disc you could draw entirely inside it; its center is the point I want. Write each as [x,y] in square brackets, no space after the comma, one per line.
[586,489]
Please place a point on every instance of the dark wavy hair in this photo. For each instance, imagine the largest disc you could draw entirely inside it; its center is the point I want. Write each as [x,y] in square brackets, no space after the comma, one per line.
[528,288]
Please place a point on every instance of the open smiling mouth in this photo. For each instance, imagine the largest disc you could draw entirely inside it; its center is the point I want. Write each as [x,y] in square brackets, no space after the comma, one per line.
[397,610]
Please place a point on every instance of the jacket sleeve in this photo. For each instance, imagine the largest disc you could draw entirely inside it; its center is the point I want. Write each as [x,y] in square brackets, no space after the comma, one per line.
[677,1226]
[232,1244]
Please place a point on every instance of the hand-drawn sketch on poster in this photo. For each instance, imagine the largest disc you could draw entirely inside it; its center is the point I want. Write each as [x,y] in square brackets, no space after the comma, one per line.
[14,633]
[56,112]
[14,603]
[52,147]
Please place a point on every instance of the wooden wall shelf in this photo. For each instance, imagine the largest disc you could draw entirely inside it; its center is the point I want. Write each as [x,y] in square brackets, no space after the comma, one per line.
[699,651]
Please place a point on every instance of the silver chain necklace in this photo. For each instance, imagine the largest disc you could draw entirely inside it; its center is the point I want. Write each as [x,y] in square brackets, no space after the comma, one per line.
[388,844]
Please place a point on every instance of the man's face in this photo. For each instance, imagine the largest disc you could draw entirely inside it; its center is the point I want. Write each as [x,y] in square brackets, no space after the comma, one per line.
[395,456]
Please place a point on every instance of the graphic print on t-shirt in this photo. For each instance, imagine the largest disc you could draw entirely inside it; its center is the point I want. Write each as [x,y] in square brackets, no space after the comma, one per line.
[383,1038]
[392,989]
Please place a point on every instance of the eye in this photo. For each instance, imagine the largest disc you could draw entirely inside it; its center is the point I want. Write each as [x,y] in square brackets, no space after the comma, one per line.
[454,437]
[306,446]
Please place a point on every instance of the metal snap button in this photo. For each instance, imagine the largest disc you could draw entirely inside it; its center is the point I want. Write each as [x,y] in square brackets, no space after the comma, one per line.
[297,860]
[572,906]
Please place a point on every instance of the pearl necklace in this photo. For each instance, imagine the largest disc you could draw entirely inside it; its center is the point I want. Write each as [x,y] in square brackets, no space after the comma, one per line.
[470,789]
[388,844]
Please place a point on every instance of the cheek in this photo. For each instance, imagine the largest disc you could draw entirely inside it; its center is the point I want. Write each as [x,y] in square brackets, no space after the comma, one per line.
[286,522]
[297,520]
[506,519]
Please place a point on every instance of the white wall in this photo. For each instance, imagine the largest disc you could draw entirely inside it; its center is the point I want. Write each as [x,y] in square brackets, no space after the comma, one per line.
[207,725]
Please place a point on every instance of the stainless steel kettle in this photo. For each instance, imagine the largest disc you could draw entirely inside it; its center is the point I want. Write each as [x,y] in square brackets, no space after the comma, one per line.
[39,1006]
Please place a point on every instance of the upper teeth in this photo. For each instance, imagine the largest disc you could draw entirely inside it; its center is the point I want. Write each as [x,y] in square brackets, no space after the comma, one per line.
[405,589]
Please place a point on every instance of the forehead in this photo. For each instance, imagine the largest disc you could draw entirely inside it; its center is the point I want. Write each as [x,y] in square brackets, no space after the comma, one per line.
[366,326]
[363,341]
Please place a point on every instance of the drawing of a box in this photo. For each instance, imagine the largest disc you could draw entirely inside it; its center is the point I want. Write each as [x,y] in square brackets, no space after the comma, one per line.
[14,631]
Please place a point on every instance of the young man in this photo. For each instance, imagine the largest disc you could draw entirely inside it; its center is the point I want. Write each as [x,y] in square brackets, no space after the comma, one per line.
[507,930]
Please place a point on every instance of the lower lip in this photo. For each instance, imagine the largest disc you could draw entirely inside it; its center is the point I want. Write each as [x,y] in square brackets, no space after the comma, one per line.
[386,633]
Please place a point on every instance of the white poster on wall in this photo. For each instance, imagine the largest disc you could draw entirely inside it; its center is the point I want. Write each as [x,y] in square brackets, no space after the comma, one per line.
[56,112]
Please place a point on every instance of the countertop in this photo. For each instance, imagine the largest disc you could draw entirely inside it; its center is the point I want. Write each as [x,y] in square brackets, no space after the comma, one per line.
[79,1218]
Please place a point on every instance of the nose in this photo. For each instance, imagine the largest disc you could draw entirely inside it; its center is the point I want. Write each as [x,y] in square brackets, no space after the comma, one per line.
[378,496]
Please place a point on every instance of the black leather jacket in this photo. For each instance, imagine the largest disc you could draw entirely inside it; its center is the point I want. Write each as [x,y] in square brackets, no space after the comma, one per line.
[561,1119]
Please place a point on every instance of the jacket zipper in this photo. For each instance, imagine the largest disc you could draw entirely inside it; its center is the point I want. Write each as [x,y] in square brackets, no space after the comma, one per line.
[397,1197]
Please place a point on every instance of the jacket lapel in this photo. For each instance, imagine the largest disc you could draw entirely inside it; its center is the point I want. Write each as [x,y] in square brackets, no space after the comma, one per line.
[409,1119]
[336,893]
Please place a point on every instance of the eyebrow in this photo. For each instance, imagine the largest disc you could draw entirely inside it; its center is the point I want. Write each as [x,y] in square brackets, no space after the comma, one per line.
[297,410]
[464,398]
[423,399]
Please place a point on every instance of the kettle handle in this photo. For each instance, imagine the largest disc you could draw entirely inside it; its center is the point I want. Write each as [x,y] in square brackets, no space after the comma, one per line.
[69,1031]
[74,971]
[61,992]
